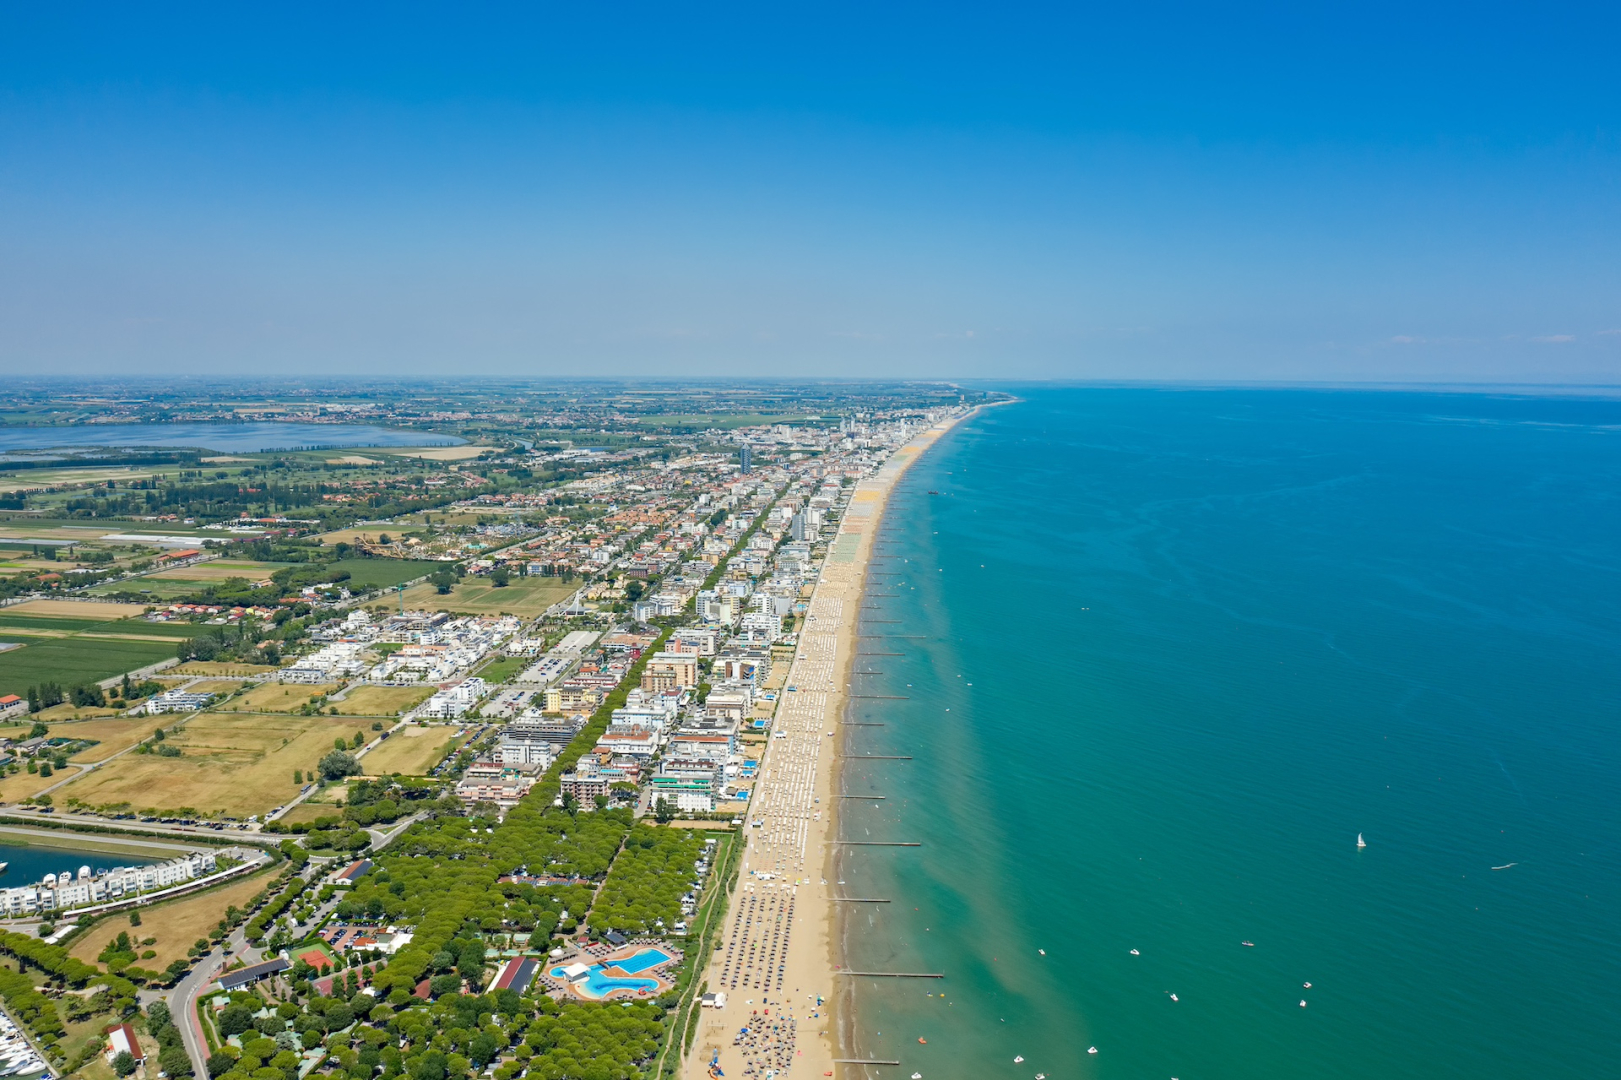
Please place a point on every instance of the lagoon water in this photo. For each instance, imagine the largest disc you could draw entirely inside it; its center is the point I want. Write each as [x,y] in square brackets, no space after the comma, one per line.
[26,865]
[244,438]
[1178,649]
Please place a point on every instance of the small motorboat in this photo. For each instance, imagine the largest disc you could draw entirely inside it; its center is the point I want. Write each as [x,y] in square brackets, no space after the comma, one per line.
[1307,986]
[1175,998]
[1247,944]
[1091,1049]
[1017,1058]
[1043,952]
[1302,1003]
[1134,952]
[917,1076]
[923,1041]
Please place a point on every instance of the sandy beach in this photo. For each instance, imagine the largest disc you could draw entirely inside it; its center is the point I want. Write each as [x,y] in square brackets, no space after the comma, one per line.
[778,947]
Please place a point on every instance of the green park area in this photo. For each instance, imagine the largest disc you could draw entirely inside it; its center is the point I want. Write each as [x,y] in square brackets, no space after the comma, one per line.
[382,573]
[526,597]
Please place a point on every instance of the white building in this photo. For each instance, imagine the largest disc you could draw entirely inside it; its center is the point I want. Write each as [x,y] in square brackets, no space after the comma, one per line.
[455,701]
[65,891]
[176,701]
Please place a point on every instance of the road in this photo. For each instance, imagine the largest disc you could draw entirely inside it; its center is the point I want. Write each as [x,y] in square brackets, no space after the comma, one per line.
[183,998]
[45,836]
[381,838]
[21,814]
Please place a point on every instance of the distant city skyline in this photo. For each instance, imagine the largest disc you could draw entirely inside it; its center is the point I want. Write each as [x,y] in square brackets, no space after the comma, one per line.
[1245,194]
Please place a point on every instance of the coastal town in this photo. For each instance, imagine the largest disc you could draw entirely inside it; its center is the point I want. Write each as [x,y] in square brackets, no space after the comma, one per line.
[431,790]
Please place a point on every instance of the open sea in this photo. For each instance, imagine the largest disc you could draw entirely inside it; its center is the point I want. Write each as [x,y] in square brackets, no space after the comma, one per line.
[1164,654]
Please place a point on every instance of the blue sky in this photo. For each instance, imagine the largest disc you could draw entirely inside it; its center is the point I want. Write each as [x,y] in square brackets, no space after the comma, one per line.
[1153,191]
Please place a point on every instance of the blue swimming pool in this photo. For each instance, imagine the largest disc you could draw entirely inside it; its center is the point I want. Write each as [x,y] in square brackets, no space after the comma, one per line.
[641,961]
[597,983]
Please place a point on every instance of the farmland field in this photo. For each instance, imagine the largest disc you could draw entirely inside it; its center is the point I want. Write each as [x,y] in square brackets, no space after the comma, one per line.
[526,597]
[176,924]
[432,453]
[138,628]
[382,700]
[233,764]
[47,622]
[152,588]
[76,609]
[72,661]
[413,750]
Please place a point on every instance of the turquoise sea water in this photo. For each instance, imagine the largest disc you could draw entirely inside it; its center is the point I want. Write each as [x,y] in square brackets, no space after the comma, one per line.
[1178,648]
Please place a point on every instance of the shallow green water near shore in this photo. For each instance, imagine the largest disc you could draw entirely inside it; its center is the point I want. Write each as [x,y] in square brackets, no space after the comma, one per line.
[1179,649]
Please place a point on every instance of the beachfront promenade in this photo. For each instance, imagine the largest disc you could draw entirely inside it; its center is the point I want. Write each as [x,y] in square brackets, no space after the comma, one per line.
[776,950]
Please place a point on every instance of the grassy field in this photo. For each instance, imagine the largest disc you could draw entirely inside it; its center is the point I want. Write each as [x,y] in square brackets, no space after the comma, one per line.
[412,751]
[12,561]
[383,573]
[219,570]
[499,671]
[112,734]
[209,686]
[219,667]
[26,785]
[526,597]
[56,714]
[72,661]
[175,925]
[274,697]
[369,534]
[382,700]
[155,591]
[308,811]
[234,764]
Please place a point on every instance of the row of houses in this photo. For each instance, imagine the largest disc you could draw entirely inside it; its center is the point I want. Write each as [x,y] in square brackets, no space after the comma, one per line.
[66,891]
